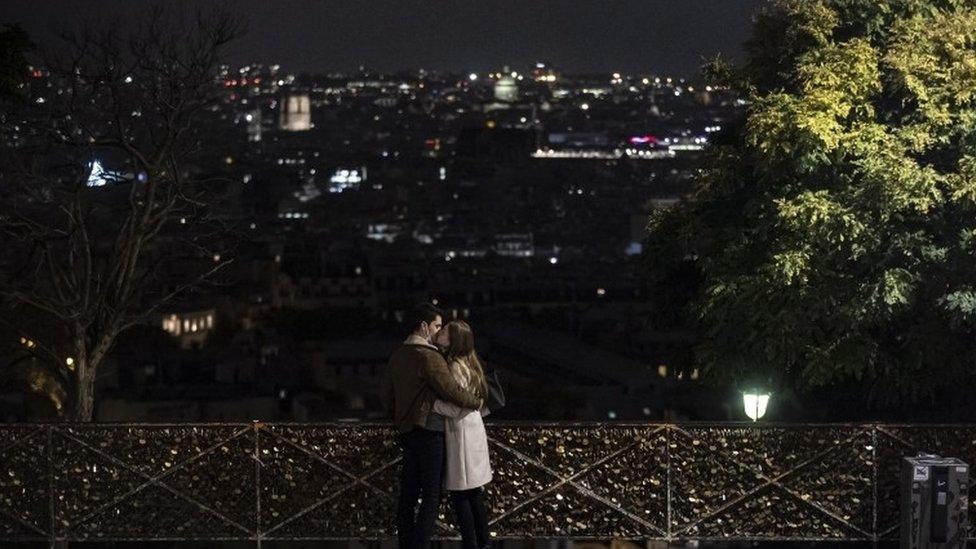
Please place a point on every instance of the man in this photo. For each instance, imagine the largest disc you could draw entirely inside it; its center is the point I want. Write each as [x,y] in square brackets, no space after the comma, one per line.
[417,375]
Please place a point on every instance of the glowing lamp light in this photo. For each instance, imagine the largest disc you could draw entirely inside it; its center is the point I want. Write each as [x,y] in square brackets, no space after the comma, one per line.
[755,403]
[472,77]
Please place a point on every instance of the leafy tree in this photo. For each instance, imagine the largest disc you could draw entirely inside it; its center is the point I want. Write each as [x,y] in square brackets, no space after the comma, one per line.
[834,233]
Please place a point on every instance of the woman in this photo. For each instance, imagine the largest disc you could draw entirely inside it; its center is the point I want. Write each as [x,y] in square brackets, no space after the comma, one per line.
[468,469]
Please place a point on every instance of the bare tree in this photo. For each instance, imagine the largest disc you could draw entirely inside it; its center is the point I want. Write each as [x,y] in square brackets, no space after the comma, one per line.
[102,192]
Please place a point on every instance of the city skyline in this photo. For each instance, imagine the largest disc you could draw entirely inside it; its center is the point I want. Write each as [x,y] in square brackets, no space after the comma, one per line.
[324,35]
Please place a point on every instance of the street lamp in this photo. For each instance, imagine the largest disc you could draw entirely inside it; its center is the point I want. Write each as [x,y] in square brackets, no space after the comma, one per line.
[755,403]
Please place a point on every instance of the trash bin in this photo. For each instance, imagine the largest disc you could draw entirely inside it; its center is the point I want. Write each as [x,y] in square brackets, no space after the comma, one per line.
[934,502]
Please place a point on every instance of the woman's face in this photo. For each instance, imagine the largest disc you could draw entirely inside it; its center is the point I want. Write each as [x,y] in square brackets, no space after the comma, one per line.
[442,339]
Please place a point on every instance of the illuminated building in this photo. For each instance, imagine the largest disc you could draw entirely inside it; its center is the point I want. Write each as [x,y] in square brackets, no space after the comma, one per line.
[253,121]
[191,327]
[384,232]
[514,245]
[99,176]
[296,113]
[346,178]
[506,90]
[543,72]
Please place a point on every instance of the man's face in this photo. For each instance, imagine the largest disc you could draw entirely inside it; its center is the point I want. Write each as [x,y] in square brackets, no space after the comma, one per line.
[433,327]
[442,338]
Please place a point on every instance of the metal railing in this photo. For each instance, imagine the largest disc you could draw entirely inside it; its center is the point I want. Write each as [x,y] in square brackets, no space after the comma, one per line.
[277,481]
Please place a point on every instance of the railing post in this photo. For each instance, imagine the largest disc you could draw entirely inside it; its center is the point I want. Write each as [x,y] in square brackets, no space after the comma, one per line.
[50,484]
[667,449]
[874,485]
[257,482]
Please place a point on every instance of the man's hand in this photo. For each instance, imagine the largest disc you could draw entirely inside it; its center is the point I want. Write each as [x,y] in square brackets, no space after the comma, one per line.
[442,381]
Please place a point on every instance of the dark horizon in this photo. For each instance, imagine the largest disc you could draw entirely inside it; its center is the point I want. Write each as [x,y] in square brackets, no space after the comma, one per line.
[645,36]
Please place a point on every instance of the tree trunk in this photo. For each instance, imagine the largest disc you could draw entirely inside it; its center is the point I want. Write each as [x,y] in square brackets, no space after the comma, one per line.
[86,366]
[83,404]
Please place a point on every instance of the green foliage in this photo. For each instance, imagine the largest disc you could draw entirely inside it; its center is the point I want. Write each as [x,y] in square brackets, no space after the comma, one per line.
[836,236]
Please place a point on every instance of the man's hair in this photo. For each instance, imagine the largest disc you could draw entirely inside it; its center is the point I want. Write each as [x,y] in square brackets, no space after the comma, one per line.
[423,312]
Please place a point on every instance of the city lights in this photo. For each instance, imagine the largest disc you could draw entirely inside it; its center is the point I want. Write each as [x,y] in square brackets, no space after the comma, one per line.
[641,262]
[346,178]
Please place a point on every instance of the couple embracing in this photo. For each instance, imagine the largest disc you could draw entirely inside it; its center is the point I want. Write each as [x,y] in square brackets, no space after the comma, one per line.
[437,390]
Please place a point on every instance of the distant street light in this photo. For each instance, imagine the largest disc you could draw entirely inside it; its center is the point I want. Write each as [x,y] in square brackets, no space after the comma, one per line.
[755,403]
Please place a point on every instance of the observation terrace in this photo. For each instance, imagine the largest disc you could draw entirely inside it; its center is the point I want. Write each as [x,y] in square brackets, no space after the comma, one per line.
[288,481]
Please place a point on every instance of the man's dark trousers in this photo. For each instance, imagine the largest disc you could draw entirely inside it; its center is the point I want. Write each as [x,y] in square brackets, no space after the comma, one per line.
[422,476]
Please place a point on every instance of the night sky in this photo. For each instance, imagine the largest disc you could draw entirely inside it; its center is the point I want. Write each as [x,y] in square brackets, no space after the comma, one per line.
[663,36]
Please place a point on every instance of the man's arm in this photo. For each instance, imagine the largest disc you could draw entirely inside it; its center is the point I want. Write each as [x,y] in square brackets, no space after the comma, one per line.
[443,383]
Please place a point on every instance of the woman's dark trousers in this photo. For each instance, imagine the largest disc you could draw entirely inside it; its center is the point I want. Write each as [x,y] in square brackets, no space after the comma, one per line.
[472,517]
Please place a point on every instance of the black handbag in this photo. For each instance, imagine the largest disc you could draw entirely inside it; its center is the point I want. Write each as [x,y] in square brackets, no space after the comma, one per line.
[496,396]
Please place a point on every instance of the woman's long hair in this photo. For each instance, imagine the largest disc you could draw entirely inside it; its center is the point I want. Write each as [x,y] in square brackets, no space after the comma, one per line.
[461,349]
